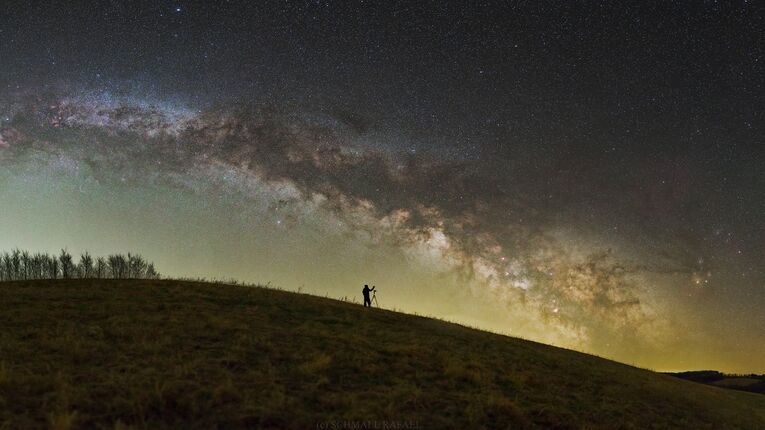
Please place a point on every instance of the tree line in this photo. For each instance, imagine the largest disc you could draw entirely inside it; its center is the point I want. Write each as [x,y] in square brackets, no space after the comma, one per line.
[18,265]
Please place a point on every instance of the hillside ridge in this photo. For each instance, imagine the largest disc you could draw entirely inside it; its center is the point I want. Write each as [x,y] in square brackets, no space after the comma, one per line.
[168,354]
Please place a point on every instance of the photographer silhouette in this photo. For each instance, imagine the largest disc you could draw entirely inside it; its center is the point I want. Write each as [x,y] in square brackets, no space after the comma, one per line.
[367,299]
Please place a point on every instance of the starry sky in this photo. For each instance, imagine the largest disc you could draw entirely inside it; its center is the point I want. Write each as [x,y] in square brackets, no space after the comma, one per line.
[586,174]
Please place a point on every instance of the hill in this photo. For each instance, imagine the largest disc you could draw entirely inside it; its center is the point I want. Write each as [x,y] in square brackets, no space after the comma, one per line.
[172,354]
[752,383]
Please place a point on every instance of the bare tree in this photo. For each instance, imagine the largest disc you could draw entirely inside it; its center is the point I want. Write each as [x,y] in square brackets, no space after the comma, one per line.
[4,275]
[117,266]
[5,267]
[101,267]
[21,265]
[67,266]
[86,265]
[30,266]
[25,266]
[16,263]
[151,272]
[53,267]
[137,266]
[37,264]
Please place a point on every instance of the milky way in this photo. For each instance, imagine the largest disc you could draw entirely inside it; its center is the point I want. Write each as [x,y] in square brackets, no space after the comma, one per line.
[538,204]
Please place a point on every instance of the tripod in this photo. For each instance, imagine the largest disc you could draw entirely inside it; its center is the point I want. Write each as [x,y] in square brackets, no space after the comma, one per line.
[374,298]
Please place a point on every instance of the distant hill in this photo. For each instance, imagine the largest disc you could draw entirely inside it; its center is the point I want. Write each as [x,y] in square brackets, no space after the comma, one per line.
[751,383]
[170,354]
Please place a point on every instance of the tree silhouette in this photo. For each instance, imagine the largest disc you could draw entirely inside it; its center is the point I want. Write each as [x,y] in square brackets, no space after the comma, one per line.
[117,265]
[85,268]
[7,271]
[22,265]
[136,266]
[67,267]
[151,273]
[53,267]
[25,266]
[16,263]
[101,268]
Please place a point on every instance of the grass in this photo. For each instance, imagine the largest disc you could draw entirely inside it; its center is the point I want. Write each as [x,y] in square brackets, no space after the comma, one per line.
[751,383]
[177,354]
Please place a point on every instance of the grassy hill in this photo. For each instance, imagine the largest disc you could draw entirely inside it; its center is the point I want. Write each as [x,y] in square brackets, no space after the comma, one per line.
[752,383]
[160,354]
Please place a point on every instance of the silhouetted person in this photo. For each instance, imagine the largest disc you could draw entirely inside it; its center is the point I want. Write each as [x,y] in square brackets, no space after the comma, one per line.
[367,299]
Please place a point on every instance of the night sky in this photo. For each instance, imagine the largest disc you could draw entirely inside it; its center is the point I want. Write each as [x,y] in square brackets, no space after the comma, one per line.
[587,174]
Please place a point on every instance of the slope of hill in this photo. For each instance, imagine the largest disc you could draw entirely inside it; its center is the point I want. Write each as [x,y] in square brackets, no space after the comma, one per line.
[751,383]
[161,354]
